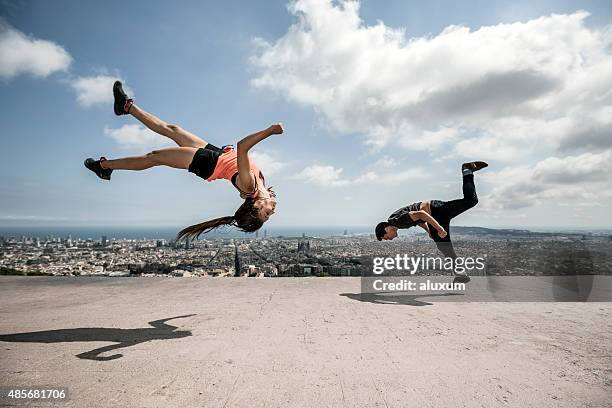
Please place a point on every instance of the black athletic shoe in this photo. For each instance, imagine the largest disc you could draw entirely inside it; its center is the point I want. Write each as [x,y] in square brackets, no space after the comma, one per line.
[121,100]
[474,166]
[96,167]
[461,279]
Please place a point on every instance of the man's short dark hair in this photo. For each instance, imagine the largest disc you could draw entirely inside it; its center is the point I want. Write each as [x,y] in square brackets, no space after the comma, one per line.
[380,230]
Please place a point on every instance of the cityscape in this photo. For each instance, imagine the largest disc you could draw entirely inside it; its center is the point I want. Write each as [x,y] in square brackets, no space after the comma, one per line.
[506,252]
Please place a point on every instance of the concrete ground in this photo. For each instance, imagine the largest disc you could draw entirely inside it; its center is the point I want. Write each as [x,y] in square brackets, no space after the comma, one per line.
[295,342]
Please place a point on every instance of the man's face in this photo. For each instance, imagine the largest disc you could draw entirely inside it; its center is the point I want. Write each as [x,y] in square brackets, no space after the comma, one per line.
[390,233]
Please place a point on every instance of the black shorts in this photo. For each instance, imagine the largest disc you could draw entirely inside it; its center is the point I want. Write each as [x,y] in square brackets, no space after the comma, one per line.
[205,160]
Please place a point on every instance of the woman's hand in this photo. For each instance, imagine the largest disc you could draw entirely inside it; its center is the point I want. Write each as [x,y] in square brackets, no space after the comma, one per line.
[442,233]
[276,129]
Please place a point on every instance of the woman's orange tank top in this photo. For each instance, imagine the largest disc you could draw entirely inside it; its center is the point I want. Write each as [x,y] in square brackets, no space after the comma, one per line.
[227,167]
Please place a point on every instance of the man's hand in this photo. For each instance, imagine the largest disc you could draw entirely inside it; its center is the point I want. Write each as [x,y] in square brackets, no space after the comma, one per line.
[276,129]
[424,216]
[425,226]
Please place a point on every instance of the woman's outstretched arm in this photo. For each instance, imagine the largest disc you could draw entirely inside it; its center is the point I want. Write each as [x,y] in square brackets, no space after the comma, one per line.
[251,140]
[245,181]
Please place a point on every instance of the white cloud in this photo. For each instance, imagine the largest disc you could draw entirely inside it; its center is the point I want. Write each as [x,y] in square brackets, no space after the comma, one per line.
[135,137]
[330,176]
[579,179]
[21,54]
[96,89]
[414,139]
[384,162]
[420,93]
[585,168]
[267,162]
[528,92]
[327,176]
[485,148]
[392,178]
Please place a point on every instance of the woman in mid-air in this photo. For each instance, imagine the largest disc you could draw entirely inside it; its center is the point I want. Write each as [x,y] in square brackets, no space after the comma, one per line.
[204,160]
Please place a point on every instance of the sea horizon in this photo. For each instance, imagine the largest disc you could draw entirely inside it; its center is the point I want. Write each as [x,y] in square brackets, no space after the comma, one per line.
[169,232]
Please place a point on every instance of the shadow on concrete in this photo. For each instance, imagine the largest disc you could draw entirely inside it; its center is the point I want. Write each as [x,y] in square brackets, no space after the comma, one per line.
[392,298]
[160,330]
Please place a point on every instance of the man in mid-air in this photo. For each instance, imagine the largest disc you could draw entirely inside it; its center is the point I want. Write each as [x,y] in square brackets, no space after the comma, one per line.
[434,216]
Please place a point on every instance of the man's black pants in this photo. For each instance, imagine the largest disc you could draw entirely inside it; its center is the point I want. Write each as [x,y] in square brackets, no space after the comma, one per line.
[444,211]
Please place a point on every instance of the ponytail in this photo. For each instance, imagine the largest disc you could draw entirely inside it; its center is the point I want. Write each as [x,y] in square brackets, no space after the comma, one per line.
[194,231]
[245,219]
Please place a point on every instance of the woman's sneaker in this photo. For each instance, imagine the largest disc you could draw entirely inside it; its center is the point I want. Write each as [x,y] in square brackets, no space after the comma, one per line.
[122,102]
[96,167]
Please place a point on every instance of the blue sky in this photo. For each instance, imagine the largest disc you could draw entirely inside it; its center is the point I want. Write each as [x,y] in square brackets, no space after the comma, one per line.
[224,70]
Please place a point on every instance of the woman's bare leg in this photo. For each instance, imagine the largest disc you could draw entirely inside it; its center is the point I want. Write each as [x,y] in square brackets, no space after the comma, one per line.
[177,157]
[180,136]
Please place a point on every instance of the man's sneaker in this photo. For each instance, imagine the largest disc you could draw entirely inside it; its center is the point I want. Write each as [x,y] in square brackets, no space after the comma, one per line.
[122,102]
[96,167]
[474,166]
[461,278]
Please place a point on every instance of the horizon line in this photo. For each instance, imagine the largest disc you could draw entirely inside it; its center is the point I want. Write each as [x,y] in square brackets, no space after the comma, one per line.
[522,227]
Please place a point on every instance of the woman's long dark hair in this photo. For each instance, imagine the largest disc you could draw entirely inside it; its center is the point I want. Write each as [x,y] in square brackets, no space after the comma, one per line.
[246,218]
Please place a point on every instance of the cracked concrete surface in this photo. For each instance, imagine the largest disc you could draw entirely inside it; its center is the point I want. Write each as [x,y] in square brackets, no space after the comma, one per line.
[295,343]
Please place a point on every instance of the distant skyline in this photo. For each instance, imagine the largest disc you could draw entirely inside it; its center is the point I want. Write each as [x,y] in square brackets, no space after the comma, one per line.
[381,102]
[169,233]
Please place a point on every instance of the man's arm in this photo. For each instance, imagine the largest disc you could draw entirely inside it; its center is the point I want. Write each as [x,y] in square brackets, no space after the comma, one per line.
[425,226]
[245,181]
[423,216]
